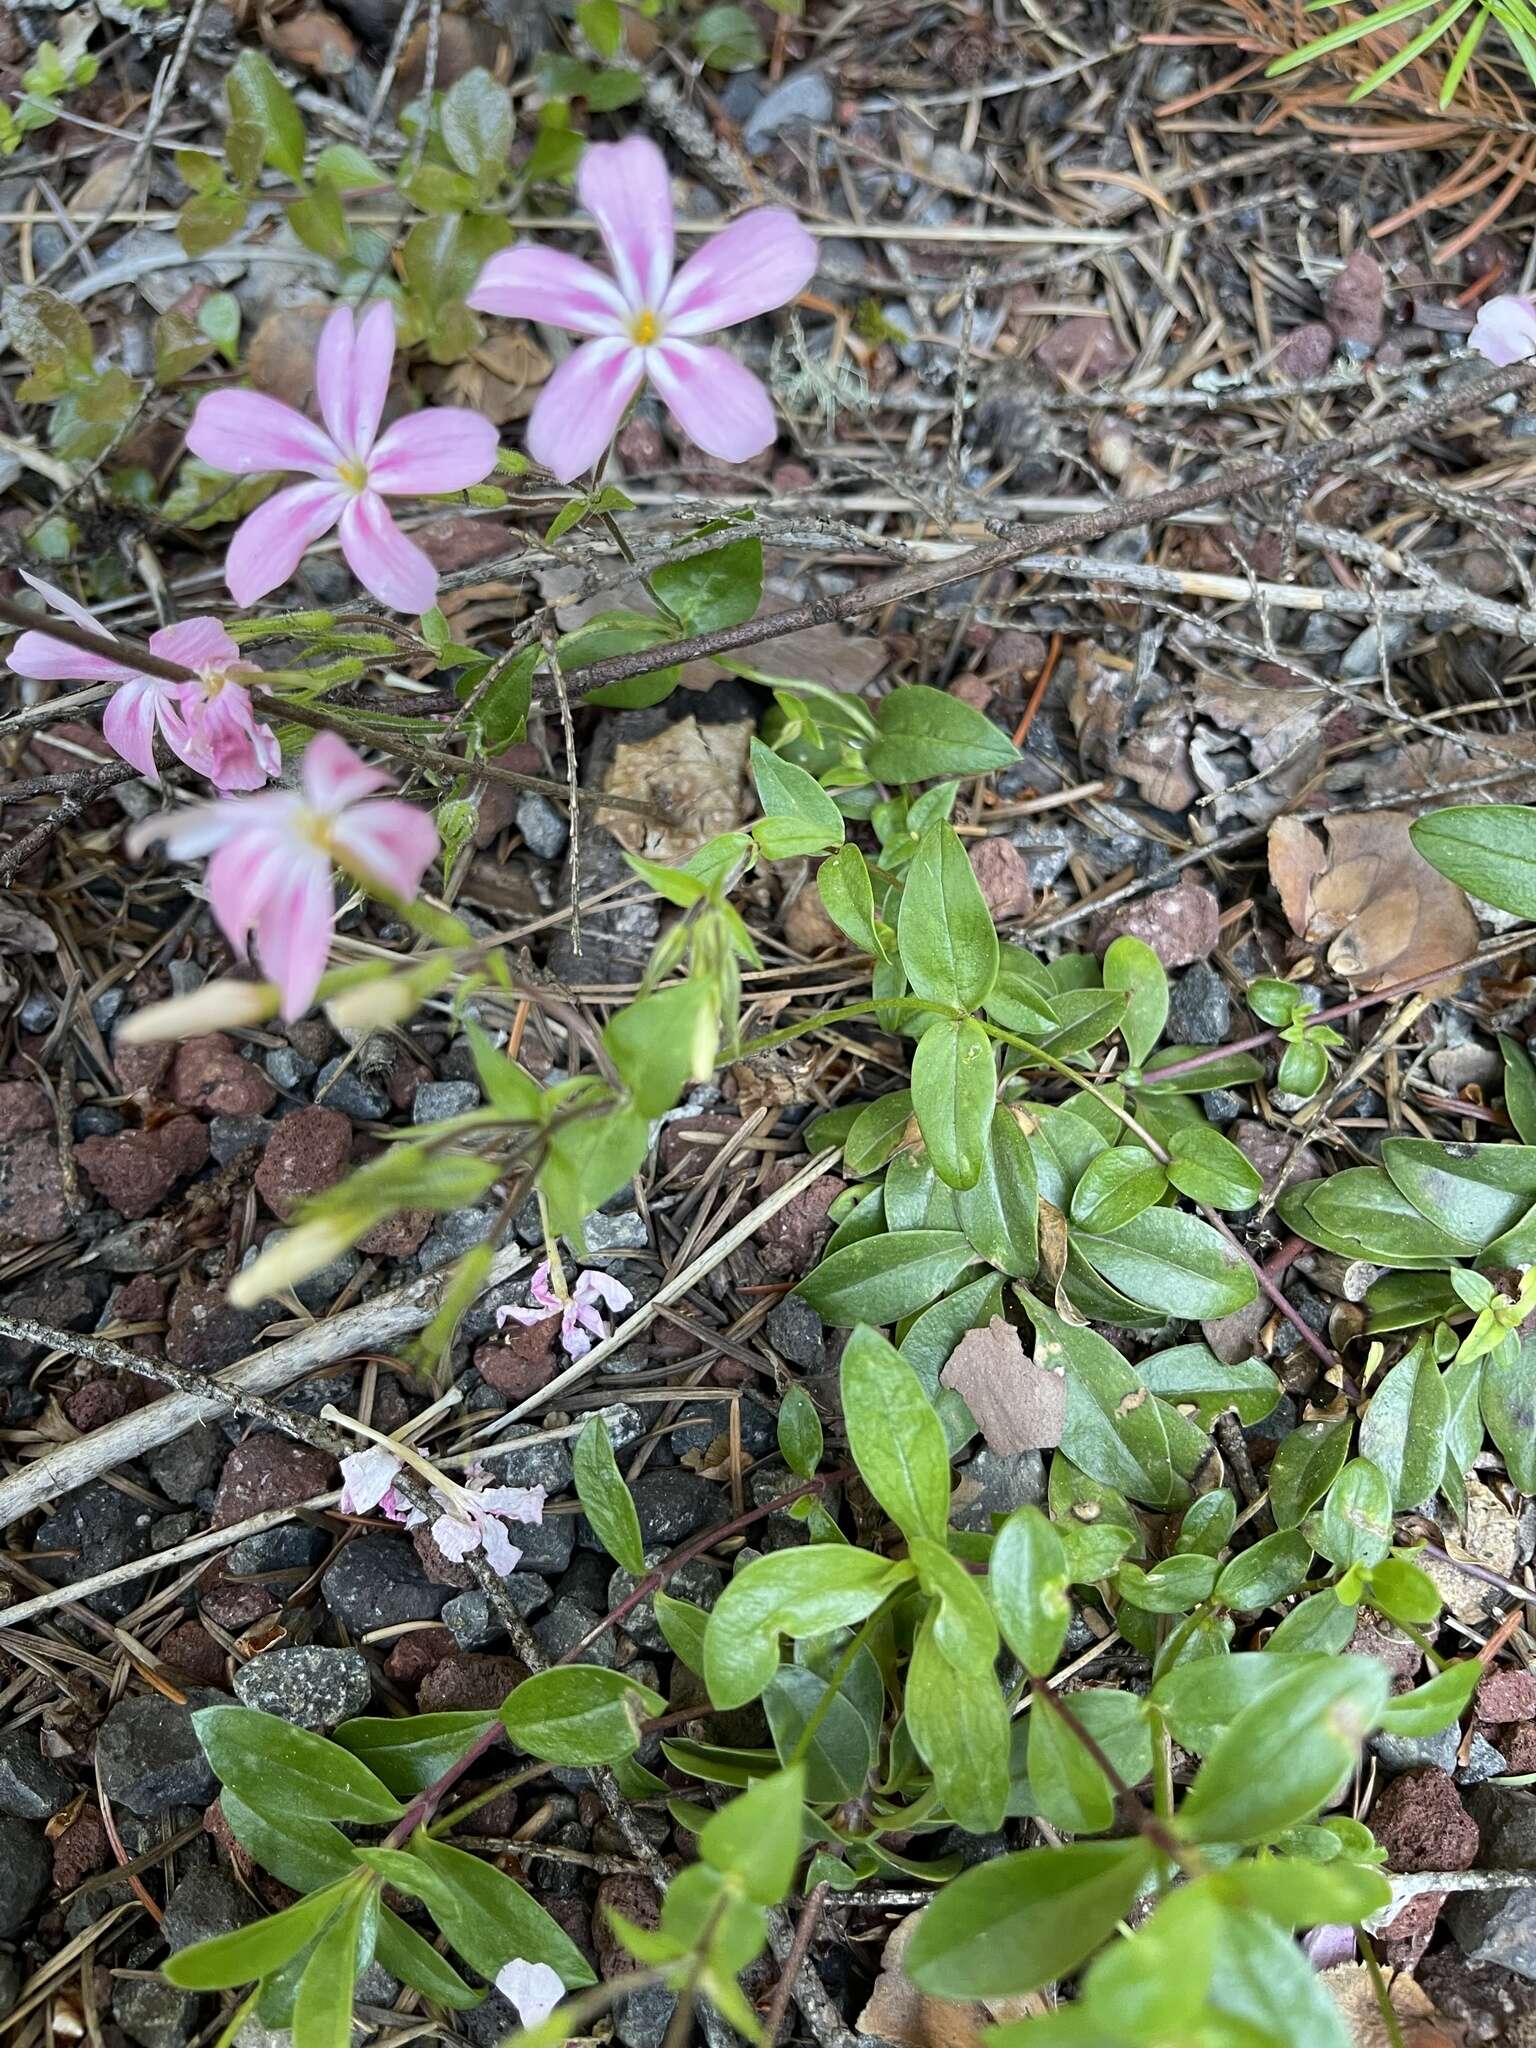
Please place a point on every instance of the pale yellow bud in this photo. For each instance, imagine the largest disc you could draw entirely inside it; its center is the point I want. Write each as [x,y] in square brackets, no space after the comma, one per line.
[374,1005]
[290,1259]
[217,1006]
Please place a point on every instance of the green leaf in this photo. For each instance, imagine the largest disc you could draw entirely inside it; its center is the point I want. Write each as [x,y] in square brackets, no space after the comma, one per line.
[1487,849]
[1171,1586]
[944,928]
[1015,1923]
[1305,1466]
[1131,966]
[1117,1186]
[488,1918]
[305,1855]
[477,126]
[800,1437]
[258,1950]
[1265,1572]
[1259,1973]
[602,24]
[796,1593]
[405,1955]
[756,1838]
[1404,1428]
[792,798]
[683,1625]
[1509,1410]
[1114,1429]
[840,1753]
[322,2011]
[1027,1579]
[258,96]
[1173,1262]
[1286,1754]
[1357,1516]
[1000,1213]
[726,37]
[958,1722]
[718,589]
[605,1499]
[1192,1376]
[954,1088]
[282,1770]
[1361,1215]
[1436,1704]
[896,1439]
[1200,1701]
[925,734]
[1066,1785]
[579,1714]
[1403,1592]
[410,1753]
[882,1279]
[848,897]
[1208,1168]
[1519,1088]
[588,1161]
[1473,1192]
[877,1131]
[1321,1623]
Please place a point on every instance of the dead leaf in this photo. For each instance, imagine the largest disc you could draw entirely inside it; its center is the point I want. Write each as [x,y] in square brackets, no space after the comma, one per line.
[281,355]
[898,2012]
[1491,1538]
[21,932]
[1382,911]
[1421,2025]
[500,378]
[692,774]
[1018,1405]
[1096,705]
[314,39]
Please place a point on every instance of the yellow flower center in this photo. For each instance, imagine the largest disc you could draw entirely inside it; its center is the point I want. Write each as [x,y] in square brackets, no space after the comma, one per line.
[213,681]
[354,474]
[644,329]
[315,826]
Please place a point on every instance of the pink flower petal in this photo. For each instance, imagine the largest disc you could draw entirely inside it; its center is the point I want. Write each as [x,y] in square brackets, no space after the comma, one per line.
[763,260]
[269,545]
[455,1538]
[501,1553]
[514,1503]
[389,843]
[129,722]
[334,776]
[64,604]
[389,567]
[1506,330]
[443,449]
[250,870]
[714,400]
[534,283]
[526,1316]
[352,365]
[224,741]
[44,660]
[578,411]
[625,188]
[595,1285]
[244,432]
[197,644]
[293,934]
[367,1477]
[204,828]
[541,1287]
[532,1988]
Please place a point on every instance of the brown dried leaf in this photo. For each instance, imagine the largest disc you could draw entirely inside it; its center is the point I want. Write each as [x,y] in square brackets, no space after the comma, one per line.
[691,773]
[281,356]
[1382,912]
[314,39]
[21,932]
[1419,2023]
[898,2012]
[1018,1405]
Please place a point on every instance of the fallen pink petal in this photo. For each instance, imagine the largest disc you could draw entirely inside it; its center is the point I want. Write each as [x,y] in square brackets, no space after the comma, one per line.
[532,1989]
[581,1319]
[1505,330]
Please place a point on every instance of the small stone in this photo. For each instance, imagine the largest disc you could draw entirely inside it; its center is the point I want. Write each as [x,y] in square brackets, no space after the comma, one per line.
[807,928]
[235,1607]
[544,829]
[789,1243]
[625,1232]
[797,1332]
[136,1170]
[1003,877]
[186,1467]
[466,1683]
[522,1361]
[697,1581]
[1355,308]
[206,1904]
[456,1234]
[308,1152]
[1507,1696]
[1199,1007]
[437,1100]
[310,1686]
[93,1531]
[24,1109]
[270,1472]
[672,1504]
[1181,924]
[1499,1927]
[209,1074]
[377,1582]
[1083,350]
[802,99]
[1421,1823]
[415,1653]
[339,1086]
[142,1069]
[206,1331]
[1305,352]
[80,1851]
[153,2013]
[286,1069]
[229,1136]
[470,1618]
[1269,1153]
[1518,1742]
[191,1651]
[995,1483]
[30,1787]
[150,1758]
[1483,1761]
[96,1404]
[34,1207]
[292,1546]
[567,1624]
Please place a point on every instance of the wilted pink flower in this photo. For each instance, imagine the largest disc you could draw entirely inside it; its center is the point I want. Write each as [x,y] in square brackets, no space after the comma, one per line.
[208,724]
[1505,331]
[581,1320]
[643,320]
[533,1988]
[273,856]
[355,466]
[474,1516]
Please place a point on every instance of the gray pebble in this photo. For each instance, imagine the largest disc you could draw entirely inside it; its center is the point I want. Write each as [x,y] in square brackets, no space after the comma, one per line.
[149,1756]
[287,1069]
[229,1136]
[544,829]
[803,99]
[30,1787]
[625,1232]
[349,1092]
[378,1581]
[436,1100]
[311,1686]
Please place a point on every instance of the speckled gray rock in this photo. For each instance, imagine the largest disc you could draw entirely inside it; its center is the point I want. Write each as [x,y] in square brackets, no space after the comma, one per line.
[26,1872]
[149,1756]
[1499,1927]
[292,1546]
[311,1686]
[96,1528]
[1483,1761]
[995,1483]
[797,1332]
[349,1092]
[559,1631]
[543,827]
[697,1581]
[206,1903]
[153,2013]
[30,1787]
[454,1235]
[803,99]
[435,1100]
[625,1232]
[229,1136]
[378,1581]
[672,1504]
[1398,1753]
[1199,1007]
[188,1465]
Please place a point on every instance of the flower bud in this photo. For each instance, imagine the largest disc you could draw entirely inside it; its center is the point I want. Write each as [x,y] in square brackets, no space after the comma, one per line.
[217,1006]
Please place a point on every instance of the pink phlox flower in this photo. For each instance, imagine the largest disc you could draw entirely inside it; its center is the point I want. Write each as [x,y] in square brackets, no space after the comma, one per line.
[209,724]
[581,1320]
[533,1988]
[643,320]
[1505,331]
[354,467]
[272,855]
[476,1520]
[368,1482]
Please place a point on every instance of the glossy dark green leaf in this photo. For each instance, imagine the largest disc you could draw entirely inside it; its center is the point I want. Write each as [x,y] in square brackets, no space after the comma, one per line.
[847,896]
[1192,1376]
[1208,1168]
[958,1723]
[1356,1523]
[1509,1410]
[1361,1215]
[1305,1466]
[709,591]
[878,1131]
[799,1432]
[1404,1428]
[1208,1524]
[1115,1429]
[802,1592]
[944,928]
[1265,1572]
[926,733]
[322,2010]
[1487,849]
[305,1855]
[896,1439]
[1473,1192]
[404,1953]
[884,1278]
[1230,1070]
[488,1918]
[410,1753]
[841,1751]
[281,1769]
[1171,1586]
[954,1087]
[258,98]
[1000,1214]
[1519,1088]
[579,1714]
[1116,1188]
[1132,968]
[256,1951]
[606,1500]
[1172,1262]
[1321,1624]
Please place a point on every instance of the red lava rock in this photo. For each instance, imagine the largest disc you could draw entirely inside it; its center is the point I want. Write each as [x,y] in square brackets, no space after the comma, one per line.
[1267,1152]
[209,1074]
[973,690]
[234,1608]
[441,1570]
[498,1816]
[397,1236]
[1003,875]
[140,1300]
[1181,924]
[1356,305]
[1518,1742]
[1507,1696]
[523,1360]
[635,1899]
[142,1068]
[24,1108]
[191,1651]
[1084,350]
[1375,1638]
[1421,1823]
[1405,1937]
[96,1403]
[454,542]
[206,1331]
[308,1151]
[136,1170]
[791,1242]
[414,1655]
[33,1205]
[692,1143]
[467,1683]
[405,1076]
[1016,654]
[80,1850]
[269,1472]
[640,448]
[791,476]
[1304,352]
